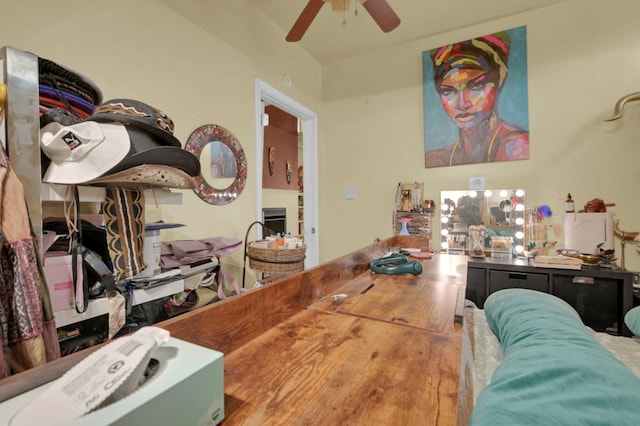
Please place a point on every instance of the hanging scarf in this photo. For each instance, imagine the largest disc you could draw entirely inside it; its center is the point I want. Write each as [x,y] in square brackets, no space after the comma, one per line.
[27,324]
[123,211]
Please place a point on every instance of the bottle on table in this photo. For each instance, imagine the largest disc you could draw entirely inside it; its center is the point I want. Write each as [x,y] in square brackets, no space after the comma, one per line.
[569,205]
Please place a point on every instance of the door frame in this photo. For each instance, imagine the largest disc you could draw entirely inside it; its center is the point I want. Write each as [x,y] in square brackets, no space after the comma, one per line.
[265,94]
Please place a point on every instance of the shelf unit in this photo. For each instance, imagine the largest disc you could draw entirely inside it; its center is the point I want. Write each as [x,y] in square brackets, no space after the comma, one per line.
[95,194]
[21,126]
[100,306]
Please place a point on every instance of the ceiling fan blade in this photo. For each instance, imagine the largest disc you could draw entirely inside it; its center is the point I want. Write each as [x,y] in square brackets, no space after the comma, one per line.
[382,13]
[304,20]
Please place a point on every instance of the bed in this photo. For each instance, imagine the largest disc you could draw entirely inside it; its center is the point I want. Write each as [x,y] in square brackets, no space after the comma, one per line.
[527,358]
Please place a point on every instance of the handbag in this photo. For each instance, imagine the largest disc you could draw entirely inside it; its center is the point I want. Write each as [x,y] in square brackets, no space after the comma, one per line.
[88,243]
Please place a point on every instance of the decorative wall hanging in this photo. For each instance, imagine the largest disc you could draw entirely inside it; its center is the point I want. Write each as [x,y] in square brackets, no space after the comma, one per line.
[289,172]
[462,83]
[272,159]
[226,164]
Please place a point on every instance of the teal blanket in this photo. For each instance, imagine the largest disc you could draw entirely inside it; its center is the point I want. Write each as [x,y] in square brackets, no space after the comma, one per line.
[553,371]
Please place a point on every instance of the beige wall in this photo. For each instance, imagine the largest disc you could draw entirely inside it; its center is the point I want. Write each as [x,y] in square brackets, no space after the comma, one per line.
[142,50]
[583,55]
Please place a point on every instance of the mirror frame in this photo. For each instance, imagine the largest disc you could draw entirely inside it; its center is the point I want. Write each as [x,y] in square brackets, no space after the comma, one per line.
[516,215]
[196,143]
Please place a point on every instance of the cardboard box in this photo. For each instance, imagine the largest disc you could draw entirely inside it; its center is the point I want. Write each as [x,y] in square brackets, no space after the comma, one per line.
[58,274]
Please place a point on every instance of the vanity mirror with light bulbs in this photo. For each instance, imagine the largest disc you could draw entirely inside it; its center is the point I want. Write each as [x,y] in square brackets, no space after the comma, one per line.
[501,213]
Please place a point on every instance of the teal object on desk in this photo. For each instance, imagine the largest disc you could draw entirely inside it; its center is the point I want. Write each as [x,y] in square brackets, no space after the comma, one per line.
[395,265]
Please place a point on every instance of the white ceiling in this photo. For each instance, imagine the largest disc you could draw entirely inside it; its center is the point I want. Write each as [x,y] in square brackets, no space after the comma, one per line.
[328,40]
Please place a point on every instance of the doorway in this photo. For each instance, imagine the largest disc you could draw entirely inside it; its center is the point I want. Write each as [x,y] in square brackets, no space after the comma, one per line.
[267,95]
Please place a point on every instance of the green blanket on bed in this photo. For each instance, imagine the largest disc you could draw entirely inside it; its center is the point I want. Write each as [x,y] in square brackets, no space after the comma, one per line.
[553,371]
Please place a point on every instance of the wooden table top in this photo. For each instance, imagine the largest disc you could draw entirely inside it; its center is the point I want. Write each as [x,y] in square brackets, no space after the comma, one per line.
[384,350]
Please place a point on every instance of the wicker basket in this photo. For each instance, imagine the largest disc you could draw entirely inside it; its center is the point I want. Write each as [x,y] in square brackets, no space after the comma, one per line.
[276,261]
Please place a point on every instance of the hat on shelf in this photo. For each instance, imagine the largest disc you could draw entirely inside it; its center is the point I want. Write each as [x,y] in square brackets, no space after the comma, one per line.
[65,80]
[49,115]
[147,148]
[61,87]
[83,151]
[137,114]
[153,157]
[145,175]
[52,98]
[59,115]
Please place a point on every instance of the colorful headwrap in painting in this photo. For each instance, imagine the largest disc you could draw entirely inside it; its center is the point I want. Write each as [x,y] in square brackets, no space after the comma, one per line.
[489,52]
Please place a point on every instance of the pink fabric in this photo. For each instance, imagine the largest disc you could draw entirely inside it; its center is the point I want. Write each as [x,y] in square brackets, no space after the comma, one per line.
[186,252]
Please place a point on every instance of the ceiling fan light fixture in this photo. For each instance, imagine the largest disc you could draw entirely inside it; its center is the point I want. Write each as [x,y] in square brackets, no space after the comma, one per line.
[338,5]
[379,10]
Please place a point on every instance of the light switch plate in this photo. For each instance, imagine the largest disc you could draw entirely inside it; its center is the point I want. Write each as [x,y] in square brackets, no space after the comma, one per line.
[350,193]
[476,183]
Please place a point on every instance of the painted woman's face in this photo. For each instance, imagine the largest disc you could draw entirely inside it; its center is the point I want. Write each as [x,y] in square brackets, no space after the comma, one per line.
[468,96]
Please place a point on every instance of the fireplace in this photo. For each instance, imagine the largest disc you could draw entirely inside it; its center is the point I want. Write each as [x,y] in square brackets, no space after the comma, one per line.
[275,218]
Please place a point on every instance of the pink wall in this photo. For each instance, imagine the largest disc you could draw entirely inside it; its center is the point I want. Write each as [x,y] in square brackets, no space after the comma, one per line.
[281,134]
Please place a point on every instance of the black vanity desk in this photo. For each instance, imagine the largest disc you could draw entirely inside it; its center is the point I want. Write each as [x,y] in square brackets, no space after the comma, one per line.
[601,296]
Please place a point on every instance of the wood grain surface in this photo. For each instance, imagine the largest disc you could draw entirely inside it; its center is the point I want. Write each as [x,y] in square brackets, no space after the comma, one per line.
[332,345]
[340,345]
[334,369]
[380,349]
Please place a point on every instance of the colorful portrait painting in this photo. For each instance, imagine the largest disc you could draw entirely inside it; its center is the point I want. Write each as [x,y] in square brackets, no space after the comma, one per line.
[476,100]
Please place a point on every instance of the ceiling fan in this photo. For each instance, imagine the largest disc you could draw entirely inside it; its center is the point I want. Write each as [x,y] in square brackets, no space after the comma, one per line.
[379,10]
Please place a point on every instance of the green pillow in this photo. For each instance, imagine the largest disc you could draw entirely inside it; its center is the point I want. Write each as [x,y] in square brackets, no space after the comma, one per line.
[632,319]
[553,372]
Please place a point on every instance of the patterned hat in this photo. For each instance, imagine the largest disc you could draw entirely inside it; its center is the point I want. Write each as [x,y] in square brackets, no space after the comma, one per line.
[139,114]
[147,175]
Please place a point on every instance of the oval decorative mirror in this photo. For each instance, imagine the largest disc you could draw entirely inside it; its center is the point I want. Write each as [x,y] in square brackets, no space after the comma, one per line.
[222,160]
